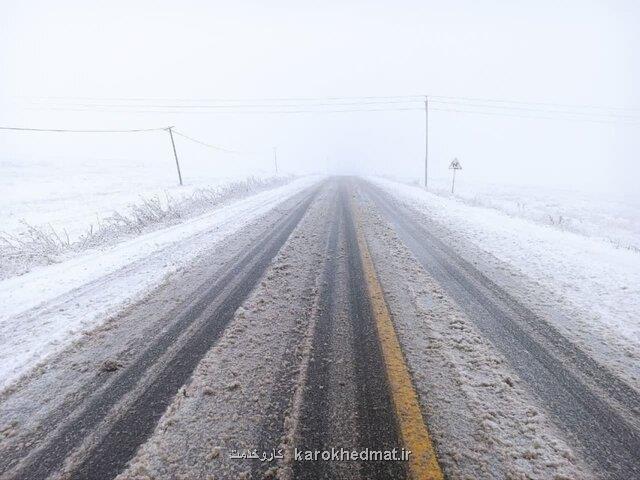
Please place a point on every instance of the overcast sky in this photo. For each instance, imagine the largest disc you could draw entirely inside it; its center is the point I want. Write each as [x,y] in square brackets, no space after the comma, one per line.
[559,52]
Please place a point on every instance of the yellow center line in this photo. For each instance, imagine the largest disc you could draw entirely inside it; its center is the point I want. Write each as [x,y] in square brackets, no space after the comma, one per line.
[423,462]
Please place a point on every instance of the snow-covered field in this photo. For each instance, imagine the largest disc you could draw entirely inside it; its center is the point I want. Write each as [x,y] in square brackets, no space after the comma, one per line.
[585,270]
[614,218]
[51,209]
[70,194]
[46,308]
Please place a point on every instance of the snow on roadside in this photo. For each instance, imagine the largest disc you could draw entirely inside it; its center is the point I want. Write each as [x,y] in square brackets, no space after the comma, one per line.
[613,217]
[45,309]
[33,245]
[72,193]
[591,274]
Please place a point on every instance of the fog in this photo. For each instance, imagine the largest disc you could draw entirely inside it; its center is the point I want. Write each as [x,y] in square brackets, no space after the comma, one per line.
[125,65]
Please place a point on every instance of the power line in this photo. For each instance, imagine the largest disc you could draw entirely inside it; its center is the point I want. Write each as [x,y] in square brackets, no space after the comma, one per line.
[358,99]
[476,109]
[559,115]
[537,117]
[499,108]
[547,104]
[60,130]
[332,105]
[254,105]
[215,147]
[170,130]
[539,110]
[233,112]
[231,100]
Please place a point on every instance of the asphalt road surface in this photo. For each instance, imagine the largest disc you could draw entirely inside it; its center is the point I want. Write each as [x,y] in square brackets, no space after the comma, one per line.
[600,411]
[280,340]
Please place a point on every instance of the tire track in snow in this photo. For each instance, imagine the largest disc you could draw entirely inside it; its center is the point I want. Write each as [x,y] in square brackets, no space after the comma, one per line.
[162,369]
[346,399]
[601,416]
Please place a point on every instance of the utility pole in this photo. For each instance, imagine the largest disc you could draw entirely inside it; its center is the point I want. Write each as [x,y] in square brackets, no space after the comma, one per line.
[275,158]
[426,138]
[175,154]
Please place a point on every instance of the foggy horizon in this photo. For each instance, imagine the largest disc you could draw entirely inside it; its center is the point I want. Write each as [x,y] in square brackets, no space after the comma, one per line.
[65,60]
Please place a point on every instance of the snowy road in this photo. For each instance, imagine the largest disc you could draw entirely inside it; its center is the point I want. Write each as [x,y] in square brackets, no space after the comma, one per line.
[339,320]
[600,410]
[161,369]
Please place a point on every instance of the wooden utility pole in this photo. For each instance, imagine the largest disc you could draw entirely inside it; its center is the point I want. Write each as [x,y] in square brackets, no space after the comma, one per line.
[275,158]
[175,154]
[426,138]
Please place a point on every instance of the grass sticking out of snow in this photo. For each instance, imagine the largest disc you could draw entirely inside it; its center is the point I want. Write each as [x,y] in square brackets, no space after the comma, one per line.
[37,245]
